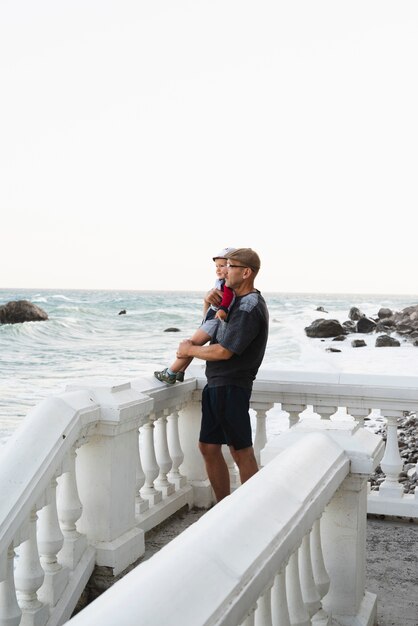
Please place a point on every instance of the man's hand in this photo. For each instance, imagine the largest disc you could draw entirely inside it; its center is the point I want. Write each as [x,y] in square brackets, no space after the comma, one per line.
[182,350]
[214,296]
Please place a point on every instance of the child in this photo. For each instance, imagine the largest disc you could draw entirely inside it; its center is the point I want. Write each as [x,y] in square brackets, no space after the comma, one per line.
[212,315]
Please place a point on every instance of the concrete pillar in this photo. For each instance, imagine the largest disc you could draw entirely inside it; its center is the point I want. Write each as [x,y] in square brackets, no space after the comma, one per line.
[343,534]
[106,477]
[193,466]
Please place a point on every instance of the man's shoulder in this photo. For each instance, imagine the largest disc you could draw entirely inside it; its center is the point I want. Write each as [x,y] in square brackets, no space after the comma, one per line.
[250,301]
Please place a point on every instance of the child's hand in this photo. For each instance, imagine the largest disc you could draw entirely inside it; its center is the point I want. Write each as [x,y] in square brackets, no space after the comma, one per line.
[221,315]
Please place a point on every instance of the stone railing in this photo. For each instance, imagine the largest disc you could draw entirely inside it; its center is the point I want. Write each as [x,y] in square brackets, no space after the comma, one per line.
[359,395]
[286,548]
[80,488]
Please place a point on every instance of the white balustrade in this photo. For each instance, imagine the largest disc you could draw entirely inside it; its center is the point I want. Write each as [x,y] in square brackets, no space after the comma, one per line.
[141,505]
[50,542]
[318,566]
[260,438]
[391,463]
[175,450]
[162,456]
[324,411]
[110,469]
[149,464]
[262,616]
[279,607]
[298,613]
[69,512]
[294,411]
[309,590]
[358,413]
[29,577]
[10,612]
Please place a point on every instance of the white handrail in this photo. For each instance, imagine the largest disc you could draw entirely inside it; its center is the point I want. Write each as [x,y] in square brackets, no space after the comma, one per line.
[73,436]
[230,563]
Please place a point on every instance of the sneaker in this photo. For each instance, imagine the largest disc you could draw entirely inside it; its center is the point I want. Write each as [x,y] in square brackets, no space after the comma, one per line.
[165,377]
[180,377]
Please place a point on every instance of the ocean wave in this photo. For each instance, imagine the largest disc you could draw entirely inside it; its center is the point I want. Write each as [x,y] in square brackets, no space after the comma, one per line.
[59,296]
[86,337]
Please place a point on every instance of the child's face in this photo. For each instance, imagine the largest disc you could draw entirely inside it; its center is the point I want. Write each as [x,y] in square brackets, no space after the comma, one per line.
[220,267]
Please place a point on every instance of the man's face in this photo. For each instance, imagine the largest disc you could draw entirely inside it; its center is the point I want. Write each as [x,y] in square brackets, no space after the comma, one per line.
[235,274]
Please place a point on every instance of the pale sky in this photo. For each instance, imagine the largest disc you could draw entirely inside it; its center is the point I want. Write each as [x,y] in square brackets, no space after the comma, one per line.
[137,138]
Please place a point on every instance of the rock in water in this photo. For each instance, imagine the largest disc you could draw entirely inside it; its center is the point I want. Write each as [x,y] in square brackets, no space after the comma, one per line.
[386,341]
[18,311]
[324,328]
[365,325]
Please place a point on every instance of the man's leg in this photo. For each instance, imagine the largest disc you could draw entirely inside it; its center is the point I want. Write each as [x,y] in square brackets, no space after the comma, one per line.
[216,468]
[246,461]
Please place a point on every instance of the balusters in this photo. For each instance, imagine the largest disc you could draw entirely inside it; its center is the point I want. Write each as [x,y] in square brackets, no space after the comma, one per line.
[69,512]
[176,453]
[149,464]
[260,438]
[50,542]
[325,412]
[162,455]
[10,612]
[310,593]
[297,609]
[29,577]
[391,463]
[262,615]
[294,411]
[358,414]
[318,566]
[279,608]
[141,505]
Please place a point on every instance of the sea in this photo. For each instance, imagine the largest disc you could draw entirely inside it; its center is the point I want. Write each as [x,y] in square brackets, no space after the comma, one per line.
[122,335]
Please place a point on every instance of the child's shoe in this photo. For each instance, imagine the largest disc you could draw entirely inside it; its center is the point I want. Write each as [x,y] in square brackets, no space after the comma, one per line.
[180,377]
[165,377]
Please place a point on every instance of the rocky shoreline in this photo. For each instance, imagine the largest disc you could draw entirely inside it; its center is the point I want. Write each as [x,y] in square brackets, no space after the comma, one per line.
[385,323]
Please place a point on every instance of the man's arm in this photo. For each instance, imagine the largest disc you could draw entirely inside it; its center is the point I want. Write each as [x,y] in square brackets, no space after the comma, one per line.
[213,352]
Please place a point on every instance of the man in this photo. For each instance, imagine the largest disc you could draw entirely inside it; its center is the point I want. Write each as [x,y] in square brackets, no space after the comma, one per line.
[233,358]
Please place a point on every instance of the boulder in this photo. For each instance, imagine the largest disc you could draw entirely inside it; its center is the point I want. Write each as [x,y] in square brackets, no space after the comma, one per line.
[365,325]
[172,329]
[355,314]
[349,326]
[384,341]
[358,343]
[324,328]
[18,311]
[383,313]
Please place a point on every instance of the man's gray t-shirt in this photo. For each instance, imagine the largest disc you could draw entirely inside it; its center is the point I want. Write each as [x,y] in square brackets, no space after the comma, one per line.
[244,333]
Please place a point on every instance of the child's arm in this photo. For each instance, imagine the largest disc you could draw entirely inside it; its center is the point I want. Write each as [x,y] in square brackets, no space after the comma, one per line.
[227,297]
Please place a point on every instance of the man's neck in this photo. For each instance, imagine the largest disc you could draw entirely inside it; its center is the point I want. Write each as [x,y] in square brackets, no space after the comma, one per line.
[245,289]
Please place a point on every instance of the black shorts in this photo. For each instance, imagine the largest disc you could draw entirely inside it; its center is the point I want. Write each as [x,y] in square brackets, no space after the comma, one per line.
[225,416]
